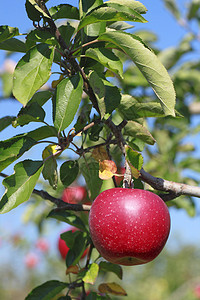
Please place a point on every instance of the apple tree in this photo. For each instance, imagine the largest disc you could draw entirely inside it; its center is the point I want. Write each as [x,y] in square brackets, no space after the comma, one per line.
[114,124]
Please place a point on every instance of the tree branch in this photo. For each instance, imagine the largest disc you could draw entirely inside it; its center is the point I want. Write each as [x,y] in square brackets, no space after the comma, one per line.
[61,205]
[176,189]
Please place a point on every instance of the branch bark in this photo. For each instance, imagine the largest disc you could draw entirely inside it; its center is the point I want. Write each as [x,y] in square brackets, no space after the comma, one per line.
[61,205]
[174,188]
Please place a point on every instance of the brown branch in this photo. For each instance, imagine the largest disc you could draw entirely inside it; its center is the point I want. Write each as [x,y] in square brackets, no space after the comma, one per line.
[176,189]
[61,205]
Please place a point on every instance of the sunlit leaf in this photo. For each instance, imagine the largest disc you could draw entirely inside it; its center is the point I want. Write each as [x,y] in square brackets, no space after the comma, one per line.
[20,185]
[111,12]
[136,5]
[64,11]
[107,58]
[32,71]
[148,64]
[34,12]
[67,99]
[136,130]
[91,274]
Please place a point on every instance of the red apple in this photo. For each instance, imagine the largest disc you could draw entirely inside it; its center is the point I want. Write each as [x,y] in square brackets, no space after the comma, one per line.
[75,194]
[31,260]
[197,291]
[63,248]
[129,226]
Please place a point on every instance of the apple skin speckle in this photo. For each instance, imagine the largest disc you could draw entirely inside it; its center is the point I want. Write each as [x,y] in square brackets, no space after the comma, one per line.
[129,226]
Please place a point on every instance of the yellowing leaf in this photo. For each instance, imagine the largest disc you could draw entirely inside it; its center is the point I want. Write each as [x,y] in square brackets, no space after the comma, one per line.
[91,274]
[112,288]
[107,168]
[49,150]
[100,153]
[72,269]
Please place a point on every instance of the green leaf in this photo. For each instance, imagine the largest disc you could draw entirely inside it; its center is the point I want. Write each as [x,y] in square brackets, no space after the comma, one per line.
[86,6]
[135,129]
[31,113]
[32,71]
[34,12]
[99,90]
[15,147]
[47,290]
[66,31]
[67,99]
[20,185]
[95,296]
[108,96]
[136,5]
[109,267]
[171,5]
[119,25]
[111,12]
[7,84]
[90,170]
[41,37]
[148,64]
[68,172]
[76,251]
[13,45]
[7,32]
[50,173]
[5,122]
[135,161]
[64,11]
[107,58]
[40,97]
[68,217]
[42,133]
[131,109]
[193,7]
[91,274]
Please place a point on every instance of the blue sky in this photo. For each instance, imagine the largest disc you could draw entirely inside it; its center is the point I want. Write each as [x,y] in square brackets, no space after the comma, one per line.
[159,21]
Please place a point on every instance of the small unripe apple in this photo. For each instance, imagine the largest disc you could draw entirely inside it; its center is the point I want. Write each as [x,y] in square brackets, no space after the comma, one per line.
[129,226]
[64,249]
[74,195]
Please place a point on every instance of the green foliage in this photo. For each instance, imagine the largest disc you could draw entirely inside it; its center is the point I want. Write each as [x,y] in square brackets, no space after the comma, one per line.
[68,172]
[47,290]
[32,71]
[109,89]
